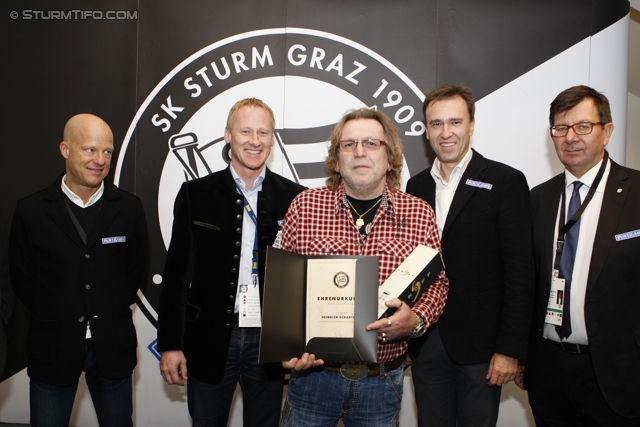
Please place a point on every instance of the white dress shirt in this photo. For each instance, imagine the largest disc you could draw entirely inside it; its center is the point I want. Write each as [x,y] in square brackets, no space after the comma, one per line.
[77,199]
[445,190]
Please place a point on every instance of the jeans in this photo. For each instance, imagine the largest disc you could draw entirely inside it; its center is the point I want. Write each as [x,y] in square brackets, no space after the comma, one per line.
[209,404]
[448,394]
[51,405]
[319,398]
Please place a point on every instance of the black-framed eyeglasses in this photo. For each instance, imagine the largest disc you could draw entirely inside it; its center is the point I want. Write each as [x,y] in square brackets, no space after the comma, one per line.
[368,144]
[584,128]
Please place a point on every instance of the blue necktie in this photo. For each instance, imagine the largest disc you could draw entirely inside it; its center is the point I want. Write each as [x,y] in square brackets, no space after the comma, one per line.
[568,259]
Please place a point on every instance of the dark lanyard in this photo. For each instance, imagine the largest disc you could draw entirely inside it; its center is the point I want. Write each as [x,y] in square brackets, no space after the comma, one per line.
[76,223]
[252,215]
[563,229]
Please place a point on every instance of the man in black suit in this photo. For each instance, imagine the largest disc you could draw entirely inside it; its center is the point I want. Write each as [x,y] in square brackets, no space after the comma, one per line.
[584,365]
[482,214]
[210,301]
[78,253]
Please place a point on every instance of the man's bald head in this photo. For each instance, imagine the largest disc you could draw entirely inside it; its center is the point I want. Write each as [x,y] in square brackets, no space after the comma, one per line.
[87,148]
[82,123]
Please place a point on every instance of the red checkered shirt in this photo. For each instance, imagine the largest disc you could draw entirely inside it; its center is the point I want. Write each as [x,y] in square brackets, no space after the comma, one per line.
[319,222]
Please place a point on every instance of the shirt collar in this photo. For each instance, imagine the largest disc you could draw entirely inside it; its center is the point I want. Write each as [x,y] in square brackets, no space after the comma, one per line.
[77,200]
[459,168]
[586,179]
[256,184]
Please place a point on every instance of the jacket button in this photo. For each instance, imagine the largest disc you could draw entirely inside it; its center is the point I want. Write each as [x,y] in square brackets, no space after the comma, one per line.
[228,326]
[238,244]
[87,286]
[231,297]
[234,270]
[239,217]
[236,257]
[81,318]
[232,284]
[87,256]
[239,202]
[228,312]
[239,230]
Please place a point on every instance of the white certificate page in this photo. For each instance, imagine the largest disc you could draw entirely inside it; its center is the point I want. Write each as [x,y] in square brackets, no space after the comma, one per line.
[331,289]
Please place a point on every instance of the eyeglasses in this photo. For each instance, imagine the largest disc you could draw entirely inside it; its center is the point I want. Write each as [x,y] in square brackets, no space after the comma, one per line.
[579,128]
[368,144]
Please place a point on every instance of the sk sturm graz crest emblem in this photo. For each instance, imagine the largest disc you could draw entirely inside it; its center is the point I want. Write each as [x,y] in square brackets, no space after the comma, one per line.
[341,279]
[309,78]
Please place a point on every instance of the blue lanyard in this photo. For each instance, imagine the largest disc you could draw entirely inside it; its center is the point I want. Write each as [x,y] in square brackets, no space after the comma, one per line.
[252,215]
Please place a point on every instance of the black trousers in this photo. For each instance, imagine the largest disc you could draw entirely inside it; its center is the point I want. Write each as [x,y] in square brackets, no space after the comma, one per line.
[564,392]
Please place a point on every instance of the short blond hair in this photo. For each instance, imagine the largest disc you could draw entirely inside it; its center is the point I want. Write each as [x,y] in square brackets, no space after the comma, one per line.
[249,102]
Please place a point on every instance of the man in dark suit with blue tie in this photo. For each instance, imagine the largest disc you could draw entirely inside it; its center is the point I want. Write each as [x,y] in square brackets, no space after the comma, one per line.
[482,212]
[584,362]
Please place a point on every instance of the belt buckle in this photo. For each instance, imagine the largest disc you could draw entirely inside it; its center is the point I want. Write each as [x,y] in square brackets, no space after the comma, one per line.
[354,372]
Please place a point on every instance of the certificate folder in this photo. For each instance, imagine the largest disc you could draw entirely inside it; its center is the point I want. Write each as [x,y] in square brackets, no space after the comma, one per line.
[284,310]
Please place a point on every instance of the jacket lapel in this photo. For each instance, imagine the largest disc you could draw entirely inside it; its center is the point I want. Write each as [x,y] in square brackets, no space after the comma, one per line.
[56,209]
[612,205]
[475,171]
[110,207]
[549,215]
[430,191]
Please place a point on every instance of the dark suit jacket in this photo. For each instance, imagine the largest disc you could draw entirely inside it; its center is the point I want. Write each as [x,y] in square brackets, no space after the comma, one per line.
[612,301]
[200,278]
[7,300]
[486,248]
[66,283]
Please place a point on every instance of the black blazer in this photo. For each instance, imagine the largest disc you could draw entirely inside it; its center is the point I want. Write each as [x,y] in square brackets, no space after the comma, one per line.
[66,283]
[200,278]
[7,300]
[612,301]
[486,248]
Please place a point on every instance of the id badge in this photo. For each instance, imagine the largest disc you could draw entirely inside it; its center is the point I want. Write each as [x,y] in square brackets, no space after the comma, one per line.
[249,315]
[278,240]
[556,301]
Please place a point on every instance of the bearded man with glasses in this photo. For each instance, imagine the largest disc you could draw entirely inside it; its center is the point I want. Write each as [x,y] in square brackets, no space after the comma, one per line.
[362,212]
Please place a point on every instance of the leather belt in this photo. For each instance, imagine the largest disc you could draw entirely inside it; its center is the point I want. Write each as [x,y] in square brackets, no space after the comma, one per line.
[571,348]
[357,372]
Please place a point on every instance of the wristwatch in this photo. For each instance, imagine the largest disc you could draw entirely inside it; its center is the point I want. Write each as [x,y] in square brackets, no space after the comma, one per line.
[419,329]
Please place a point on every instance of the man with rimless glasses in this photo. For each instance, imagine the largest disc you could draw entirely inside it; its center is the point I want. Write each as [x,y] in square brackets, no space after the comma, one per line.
[584,355]
[482,211]
[362,212]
